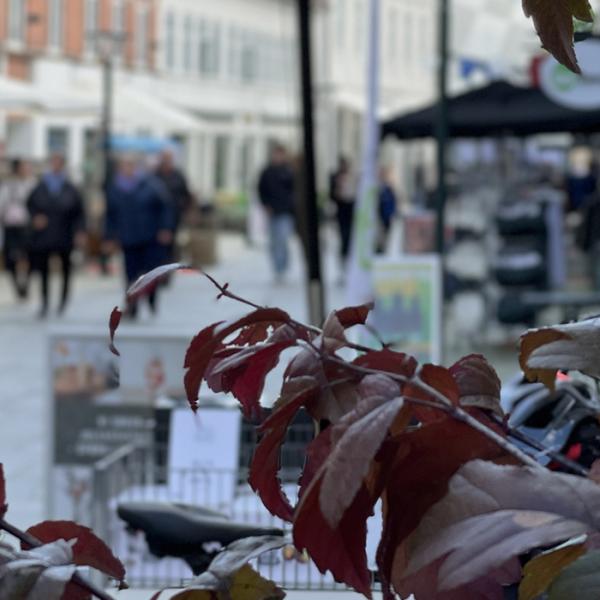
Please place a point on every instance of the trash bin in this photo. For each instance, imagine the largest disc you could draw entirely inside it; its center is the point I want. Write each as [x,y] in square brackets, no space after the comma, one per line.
[202,238]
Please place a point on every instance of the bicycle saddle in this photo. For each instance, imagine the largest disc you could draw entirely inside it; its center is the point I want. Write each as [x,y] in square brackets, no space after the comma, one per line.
[182,531]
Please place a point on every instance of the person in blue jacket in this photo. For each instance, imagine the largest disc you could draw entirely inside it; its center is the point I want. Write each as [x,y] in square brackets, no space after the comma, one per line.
[140,219]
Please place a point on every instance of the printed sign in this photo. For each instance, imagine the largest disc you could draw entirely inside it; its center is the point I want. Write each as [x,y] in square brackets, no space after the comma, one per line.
[408,304]
[579,92]
[101,402]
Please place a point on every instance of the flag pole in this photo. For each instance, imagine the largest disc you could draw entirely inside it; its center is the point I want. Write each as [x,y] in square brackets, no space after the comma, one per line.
[359,285]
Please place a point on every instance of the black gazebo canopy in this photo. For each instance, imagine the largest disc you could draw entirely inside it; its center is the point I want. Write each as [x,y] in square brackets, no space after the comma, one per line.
[499,108]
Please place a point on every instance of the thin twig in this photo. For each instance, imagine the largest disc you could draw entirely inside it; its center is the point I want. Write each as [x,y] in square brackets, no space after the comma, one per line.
[77,578]
[455,411]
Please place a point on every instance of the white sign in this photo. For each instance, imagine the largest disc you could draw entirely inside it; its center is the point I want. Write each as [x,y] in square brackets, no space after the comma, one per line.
[579,92]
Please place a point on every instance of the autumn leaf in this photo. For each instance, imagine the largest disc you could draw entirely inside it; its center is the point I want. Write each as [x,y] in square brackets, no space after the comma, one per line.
[418,479]
[543,569]
[580,580]
[478,383]
[147,283]
[243,373]
[388,361]
[553,21]
[3,504]
[229,577]
[265,462]
[205,344]
[89,550]
[113,324]
[492,513]
[356,440]
[575,346]
[41,573]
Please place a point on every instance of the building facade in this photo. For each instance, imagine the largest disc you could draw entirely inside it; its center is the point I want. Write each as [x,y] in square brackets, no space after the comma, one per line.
[50,68]
[221,77]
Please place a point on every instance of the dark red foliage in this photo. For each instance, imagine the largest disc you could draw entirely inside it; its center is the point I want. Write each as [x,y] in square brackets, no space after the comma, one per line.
[89,550]
[265,462]
[425,461]
[113,324]
[211,340]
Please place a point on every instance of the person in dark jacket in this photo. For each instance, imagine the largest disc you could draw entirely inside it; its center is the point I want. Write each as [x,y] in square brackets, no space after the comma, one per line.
[387,206]
[14,219]
[181,198]
[342,192]
[57,222]
[140,218]
[276,193]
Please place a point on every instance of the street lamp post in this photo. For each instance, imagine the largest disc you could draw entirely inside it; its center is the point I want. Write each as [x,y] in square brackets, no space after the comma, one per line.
[108,42]
[313,252]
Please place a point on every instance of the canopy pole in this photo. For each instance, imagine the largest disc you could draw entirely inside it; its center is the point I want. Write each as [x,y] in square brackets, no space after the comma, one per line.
[442,123]
[316,303]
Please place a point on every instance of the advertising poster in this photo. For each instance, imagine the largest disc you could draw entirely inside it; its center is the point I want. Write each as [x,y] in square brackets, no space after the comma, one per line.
[100,403]
[408,305]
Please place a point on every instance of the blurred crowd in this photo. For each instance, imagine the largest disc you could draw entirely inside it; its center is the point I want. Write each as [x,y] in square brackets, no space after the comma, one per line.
[279,191]
[43,221]
[43,218]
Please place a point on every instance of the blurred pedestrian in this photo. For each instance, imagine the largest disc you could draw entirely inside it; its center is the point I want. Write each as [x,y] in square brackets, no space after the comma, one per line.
[181,198]
[139,218]
[387,207]
[342,192]
[57,224]
[276,192]
[14,219]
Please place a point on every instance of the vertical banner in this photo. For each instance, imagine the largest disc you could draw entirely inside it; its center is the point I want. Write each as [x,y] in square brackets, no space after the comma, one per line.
[359,286]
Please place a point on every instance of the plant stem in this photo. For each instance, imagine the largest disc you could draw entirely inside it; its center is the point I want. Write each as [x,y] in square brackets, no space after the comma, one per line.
[444,403]
[77,578]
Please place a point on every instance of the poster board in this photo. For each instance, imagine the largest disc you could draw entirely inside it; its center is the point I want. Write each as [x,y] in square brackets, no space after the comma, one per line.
[100,402]
[408,305]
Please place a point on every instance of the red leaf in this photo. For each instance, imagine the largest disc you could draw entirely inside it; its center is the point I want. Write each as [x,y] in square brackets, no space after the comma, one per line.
[427,458]
[340,550]
[145,284]
[113,324]
[244,374]
[3,504]
[89,550]
[265,462]
[338,544]
[353,315]
[204,346]
[441,380]
[388,361]
[478,384]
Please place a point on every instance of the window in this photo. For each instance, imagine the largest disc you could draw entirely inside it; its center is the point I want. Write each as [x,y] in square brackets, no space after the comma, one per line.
[392,33]
[187,43]
[233,52]
[16,20]
[221,161]
[408,37]
[209,48]
[249,66]
[55,23]
[359,22]
[57,140]
[340,10]
[91,24]
[141,36]
[170,42]
[118,16]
